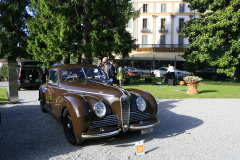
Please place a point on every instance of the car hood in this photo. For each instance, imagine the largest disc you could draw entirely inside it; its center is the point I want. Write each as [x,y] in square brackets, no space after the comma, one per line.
[94,87]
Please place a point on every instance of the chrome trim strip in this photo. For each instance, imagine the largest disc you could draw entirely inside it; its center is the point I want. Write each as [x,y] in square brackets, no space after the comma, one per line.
[101,135]
[86,92]
[144,127]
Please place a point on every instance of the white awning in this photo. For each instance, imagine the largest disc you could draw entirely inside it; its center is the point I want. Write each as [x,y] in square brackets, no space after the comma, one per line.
[167,56]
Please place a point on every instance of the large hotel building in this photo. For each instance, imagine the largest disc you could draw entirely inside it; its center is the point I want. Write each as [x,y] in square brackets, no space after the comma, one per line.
[158,33]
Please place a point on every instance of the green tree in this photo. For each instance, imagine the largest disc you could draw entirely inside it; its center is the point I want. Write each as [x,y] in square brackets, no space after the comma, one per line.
[13,30]
[55,30]
[60,28]
[214,36]
[108,35]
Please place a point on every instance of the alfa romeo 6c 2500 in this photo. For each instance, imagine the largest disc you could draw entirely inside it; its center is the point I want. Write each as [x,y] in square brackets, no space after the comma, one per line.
[90,107]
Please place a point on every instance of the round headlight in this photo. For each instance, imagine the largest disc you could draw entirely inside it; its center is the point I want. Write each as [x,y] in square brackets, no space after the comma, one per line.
[141,104]
[100,109]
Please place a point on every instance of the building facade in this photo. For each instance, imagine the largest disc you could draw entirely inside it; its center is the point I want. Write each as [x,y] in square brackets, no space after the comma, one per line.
[158,32]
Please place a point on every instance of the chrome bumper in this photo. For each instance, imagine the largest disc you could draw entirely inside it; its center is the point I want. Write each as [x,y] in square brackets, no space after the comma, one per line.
[144,127]
[101,135]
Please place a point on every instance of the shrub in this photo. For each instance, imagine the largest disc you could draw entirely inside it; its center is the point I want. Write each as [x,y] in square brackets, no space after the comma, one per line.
[4,71]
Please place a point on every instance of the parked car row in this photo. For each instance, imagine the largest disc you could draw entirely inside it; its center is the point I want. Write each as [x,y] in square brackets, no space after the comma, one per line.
[210,73]
[163,70]
[30,74]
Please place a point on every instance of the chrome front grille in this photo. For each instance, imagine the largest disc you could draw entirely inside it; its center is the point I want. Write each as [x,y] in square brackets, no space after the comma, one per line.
[125,105]
[109,120]
[138,116]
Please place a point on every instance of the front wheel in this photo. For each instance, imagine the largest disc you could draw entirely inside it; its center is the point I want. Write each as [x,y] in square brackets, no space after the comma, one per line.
[68,129]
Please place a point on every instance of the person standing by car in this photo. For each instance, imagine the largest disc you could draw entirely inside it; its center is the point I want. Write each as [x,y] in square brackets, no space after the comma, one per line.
[170,74]
[170,68]
[119,74]
[109,69]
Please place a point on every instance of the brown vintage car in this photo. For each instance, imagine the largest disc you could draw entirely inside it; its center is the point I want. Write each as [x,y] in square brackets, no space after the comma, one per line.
[90,107]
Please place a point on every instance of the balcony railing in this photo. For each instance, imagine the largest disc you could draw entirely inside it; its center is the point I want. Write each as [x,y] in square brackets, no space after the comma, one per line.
[170,46]
[163,30]
[179,29]
[145,30]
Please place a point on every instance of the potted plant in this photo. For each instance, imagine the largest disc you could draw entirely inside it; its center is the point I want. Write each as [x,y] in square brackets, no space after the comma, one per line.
[194,79]
[192,82]
[4,73]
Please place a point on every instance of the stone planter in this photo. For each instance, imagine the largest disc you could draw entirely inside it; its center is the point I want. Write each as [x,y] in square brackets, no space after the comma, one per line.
[192,87]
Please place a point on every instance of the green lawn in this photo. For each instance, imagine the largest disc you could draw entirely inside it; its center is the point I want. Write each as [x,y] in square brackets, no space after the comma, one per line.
[3,95]
[206,89]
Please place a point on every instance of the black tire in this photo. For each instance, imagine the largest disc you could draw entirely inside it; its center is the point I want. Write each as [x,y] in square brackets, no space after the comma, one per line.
[214,77]
[42,103]
[68,129]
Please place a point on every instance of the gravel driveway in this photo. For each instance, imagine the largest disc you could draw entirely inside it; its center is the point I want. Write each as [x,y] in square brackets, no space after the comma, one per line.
[198,129]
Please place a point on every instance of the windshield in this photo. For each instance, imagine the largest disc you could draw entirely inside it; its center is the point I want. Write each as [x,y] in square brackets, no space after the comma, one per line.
[94,73]
[82,73]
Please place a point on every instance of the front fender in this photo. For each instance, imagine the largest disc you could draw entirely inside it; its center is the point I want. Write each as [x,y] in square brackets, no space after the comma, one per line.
[148,97]
[79,110]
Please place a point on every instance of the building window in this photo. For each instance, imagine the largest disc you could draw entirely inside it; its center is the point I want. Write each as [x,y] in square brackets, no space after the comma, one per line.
[144,24]
[181,23]
[163,8]
[144,8]
[163,24]
[180,40]
[162,39]
[182,8]
[144,41]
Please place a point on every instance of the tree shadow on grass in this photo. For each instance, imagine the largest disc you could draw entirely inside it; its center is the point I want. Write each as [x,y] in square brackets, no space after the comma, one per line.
[207,91]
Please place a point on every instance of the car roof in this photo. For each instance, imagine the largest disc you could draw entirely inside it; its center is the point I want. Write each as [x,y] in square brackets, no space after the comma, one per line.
[66,66]
[30,62]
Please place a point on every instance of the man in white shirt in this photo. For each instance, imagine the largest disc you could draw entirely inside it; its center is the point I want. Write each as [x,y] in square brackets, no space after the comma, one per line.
[170,68]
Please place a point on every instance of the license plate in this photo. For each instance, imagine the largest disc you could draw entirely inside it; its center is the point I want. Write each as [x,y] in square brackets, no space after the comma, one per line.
[146,131]
[26,81]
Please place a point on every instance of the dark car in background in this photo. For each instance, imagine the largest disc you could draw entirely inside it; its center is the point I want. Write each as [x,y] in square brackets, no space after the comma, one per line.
[211,73]
[30,74]
[131,72]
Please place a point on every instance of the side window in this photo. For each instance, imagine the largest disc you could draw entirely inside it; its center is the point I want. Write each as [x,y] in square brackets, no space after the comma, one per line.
[53,76]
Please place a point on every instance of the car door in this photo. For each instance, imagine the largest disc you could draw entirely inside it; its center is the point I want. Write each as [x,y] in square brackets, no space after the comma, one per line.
[51,89]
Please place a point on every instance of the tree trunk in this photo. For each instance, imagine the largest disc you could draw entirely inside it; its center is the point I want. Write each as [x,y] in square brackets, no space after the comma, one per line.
[79,59]
[236,74]
[66,60]
[86,57]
